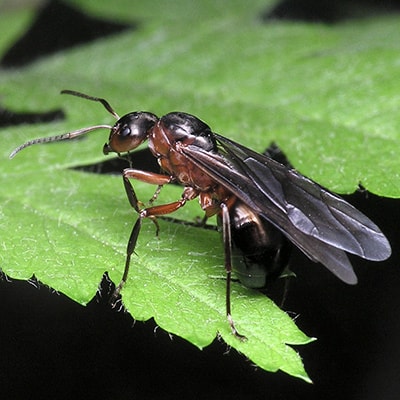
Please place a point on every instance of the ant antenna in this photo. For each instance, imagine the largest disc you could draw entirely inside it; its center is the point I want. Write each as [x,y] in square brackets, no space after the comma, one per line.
[73,134]
[105,103]
[57,138]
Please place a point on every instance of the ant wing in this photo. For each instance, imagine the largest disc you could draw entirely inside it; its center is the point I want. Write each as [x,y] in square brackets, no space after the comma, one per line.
[315,220]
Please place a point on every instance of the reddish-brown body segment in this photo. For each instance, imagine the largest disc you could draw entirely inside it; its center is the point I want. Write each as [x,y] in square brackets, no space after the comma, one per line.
[168,152]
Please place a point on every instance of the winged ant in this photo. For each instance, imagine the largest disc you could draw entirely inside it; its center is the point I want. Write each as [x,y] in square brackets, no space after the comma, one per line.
[261,205]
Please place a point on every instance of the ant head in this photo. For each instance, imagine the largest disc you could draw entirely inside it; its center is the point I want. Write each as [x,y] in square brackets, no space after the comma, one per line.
[129,132]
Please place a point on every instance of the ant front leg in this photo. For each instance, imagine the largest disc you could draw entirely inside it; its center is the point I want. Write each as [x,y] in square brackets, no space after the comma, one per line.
[143,176]
[150,212]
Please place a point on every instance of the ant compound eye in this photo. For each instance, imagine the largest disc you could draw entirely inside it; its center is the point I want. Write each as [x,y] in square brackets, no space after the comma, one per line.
[125,131]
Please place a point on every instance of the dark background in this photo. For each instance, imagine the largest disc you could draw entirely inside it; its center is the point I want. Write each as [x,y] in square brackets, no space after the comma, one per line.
[52,347]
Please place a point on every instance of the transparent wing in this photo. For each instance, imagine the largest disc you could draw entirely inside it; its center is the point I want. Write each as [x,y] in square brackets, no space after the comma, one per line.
[320,223]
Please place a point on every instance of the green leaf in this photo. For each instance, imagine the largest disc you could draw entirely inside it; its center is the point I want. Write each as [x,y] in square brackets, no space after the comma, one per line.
[328,95]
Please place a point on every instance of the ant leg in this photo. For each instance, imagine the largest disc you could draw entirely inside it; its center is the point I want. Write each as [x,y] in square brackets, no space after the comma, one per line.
[151,212]
[143,176]
[227,240]
[129,251]
[155,195]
